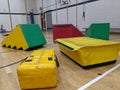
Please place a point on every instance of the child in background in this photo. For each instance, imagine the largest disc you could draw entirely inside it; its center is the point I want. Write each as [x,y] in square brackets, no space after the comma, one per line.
[2,29]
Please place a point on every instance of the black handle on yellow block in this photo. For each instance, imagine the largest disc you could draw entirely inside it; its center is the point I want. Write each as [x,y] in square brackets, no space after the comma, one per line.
[57,62]
[70,48]
[50,58]
[28,60]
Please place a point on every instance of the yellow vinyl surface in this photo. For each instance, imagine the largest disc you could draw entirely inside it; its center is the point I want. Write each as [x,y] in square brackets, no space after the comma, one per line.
[15,39]
[38,70]
[89,51]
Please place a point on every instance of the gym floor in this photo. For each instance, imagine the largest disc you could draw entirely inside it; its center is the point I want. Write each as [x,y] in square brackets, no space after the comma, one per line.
[70,75]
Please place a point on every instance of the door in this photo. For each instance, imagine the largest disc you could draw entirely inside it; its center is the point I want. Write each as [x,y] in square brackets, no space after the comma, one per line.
[49,20]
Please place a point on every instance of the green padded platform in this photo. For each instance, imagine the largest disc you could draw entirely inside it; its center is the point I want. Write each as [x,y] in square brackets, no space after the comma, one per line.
[35,32]
[99,31]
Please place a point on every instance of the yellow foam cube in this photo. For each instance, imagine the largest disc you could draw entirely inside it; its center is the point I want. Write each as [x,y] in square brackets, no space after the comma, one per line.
[89,51]
[38,70]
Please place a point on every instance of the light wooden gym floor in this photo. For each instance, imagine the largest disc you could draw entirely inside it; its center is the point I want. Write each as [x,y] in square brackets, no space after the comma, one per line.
[70,75]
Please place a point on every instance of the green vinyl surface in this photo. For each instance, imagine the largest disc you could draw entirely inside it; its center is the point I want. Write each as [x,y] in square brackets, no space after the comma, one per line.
[99,31]
[33,35]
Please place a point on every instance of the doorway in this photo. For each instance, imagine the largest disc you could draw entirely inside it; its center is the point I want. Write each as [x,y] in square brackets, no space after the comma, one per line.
[49,20]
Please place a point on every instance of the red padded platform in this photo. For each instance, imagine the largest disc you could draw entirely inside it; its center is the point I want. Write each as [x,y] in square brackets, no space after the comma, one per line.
[65,31]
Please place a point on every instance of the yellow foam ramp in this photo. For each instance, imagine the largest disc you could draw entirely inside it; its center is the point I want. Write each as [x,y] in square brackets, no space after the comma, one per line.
[89,51]
[24,36]
[39,70]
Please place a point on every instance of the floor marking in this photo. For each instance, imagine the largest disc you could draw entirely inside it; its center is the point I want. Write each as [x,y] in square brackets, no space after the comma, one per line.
[98,78]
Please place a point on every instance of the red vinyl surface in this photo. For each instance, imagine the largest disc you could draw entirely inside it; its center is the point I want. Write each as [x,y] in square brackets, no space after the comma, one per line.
[65,31]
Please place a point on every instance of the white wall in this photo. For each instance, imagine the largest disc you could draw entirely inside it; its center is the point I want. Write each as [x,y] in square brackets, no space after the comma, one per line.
[104,11]
[4,6]
[39,4]
[4,19]
[16,6]
[99,11]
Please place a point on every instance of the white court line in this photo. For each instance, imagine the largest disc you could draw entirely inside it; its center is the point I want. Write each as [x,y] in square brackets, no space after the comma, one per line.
[98,78]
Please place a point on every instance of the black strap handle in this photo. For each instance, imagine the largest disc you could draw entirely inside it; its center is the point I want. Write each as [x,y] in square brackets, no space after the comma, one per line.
[57,62]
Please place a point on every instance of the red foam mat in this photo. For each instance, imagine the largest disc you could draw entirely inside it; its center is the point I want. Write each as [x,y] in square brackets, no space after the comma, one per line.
[65,31]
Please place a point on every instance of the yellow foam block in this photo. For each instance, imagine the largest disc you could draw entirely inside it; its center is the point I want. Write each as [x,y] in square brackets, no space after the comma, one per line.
[89,51]
[15,39]
[24,36]
[38,70]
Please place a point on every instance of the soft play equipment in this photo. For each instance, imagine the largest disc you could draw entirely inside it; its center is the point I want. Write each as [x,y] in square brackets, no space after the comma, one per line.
[99,31]
[89,51]
[25,36]
[39,70]
[65,31]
